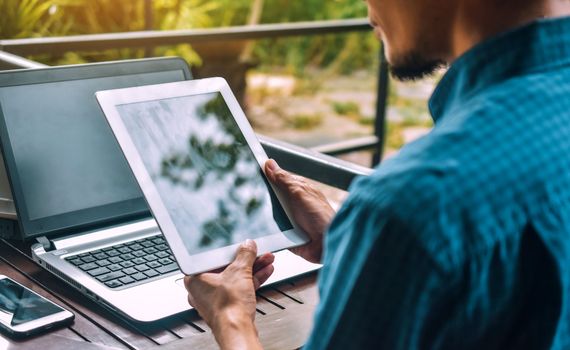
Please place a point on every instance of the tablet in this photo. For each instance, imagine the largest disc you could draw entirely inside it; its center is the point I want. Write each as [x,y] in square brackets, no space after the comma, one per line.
[199,166]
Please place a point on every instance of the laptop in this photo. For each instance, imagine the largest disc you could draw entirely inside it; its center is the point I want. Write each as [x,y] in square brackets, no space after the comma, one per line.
[75,193]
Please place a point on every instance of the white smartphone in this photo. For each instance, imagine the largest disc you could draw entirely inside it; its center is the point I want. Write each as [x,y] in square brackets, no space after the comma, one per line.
[24,313]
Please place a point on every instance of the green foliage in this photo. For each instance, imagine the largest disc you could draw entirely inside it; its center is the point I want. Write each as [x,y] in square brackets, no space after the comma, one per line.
[394,135]
[366,120]
[31,18]
[305,121]
[346,108]
[342,53]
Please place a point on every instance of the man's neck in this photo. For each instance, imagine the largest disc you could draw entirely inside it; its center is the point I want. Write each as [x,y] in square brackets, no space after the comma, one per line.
[476,23]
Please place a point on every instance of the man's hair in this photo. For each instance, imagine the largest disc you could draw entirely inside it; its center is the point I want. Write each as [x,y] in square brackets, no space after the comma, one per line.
[414,66]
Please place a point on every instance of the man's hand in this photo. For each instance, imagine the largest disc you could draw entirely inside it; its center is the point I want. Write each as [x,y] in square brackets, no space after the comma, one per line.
[226,300]
[309,207]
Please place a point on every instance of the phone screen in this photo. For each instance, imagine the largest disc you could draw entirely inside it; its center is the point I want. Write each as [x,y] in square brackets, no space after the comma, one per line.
[19,305]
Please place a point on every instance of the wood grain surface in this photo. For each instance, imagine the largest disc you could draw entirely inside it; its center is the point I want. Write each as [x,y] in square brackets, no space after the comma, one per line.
[284,315]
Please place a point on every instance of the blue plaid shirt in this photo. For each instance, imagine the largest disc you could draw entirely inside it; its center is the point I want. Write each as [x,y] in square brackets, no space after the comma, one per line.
[462,241]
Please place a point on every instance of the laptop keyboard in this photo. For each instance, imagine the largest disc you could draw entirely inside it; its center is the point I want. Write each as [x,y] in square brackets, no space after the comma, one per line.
[127,263]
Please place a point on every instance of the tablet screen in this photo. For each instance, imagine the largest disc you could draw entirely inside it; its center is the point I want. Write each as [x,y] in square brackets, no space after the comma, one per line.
[203,170]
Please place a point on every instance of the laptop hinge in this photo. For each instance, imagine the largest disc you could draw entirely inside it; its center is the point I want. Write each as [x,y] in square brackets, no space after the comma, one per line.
[46,243]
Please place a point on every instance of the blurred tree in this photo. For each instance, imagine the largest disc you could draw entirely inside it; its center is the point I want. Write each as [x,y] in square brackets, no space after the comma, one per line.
[29,18]
[340,53]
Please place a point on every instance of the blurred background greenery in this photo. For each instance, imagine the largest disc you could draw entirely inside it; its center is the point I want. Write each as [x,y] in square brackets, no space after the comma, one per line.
[307,90]
[41,18]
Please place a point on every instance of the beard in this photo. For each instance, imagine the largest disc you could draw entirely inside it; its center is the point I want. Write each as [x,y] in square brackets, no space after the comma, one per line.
[414,66]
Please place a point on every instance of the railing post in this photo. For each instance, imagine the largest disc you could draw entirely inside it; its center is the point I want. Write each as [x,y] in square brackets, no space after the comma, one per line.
[148,24]
[381,106]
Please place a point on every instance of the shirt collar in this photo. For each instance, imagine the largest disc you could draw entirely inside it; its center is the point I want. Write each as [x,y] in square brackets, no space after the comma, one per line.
[539,46]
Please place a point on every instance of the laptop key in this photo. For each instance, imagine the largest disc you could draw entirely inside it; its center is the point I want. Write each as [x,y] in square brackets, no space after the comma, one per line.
[139,261]
[114,267]
[139,276]
[88,259]
[126,264]
[153,264]
[158,240]
[75,261]
[150,273]
[150,257]
[113,283]
[130,271]
[150,250]
[127,256]
[165,261]
[89,266]
[136,246]
[162,254]
[139,253]
[103,262]
[167,268]
[162,247]
[126,280]
[98,271]
[110,276]
[124,250]
[142,267]
[115,259]
[83,255]
[113,252]
[147,244]
[100,256]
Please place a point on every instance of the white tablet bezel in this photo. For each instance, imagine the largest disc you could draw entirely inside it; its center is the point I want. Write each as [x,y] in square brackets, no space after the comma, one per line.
[218,257]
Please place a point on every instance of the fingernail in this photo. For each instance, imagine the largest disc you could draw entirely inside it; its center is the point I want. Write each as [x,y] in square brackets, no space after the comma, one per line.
[249,243]
[272,165]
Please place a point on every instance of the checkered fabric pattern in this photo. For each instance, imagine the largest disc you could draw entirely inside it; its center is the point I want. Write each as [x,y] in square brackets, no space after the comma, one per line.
[462,241]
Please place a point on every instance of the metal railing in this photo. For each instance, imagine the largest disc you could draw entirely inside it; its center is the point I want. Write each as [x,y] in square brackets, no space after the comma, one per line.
[10,61]
[311,163]
[150,38]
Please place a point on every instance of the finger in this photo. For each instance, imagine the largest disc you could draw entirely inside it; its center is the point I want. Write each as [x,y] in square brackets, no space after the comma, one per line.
[246,254]
[307,253]
[193,282]
[198,281]
[261,276]
[278,176]
[188,284]
[187,281]
[270,167]
[262,261]
[190,299]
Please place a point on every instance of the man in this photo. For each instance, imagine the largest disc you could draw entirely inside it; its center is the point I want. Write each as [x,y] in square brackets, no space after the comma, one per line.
[461,241]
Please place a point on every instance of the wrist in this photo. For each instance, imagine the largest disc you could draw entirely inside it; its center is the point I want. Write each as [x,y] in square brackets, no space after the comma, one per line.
[231,319]
[235,329]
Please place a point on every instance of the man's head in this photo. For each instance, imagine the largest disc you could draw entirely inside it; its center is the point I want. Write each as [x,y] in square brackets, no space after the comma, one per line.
[415,34]
[421,35]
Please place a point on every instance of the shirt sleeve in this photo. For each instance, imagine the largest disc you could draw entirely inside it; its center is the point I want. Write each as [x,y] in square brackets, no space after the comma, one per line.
[379,287]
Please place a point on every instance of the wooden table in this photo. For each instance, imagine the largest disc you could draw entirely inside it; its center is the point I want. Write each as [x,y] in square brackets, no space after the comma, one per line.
[284,315]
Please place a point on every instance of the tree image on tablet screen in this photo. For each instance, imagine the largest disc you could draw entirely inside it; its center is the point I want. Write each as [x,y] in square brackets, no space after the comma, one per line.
[206,174]
[218,159]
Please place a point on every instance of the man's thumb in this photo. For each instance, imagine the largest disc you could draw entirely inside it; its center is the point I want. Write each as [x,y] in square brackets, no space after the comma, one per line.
[246,254]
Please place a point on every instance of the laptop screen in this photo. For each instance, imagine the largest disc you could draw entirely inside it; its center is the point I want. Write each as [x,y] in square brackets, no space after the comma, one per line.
[65,157]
